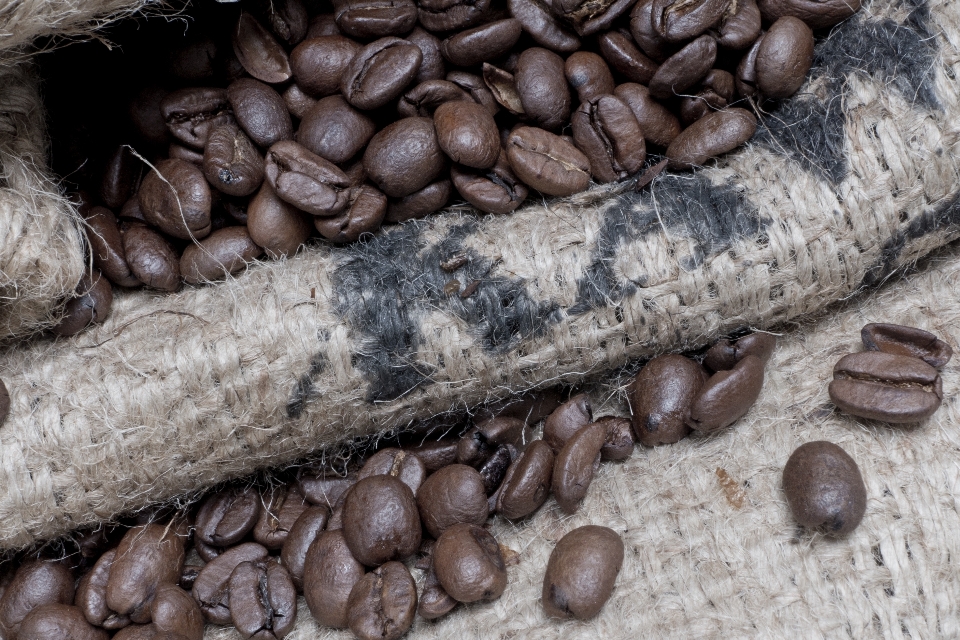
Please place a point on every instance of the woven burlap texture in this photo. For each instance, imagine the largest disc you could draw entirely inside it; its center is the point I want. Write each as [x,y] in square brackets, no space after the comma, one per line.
[711,550]
[179,392]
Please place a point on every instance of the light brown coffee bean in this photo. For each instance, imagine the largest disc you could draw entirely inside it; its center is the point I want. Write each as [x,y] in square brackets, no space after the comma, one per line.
[824,488]
[211,589]
[526,485]
[658,124]
[906,341]
[151,258]
[35,583]
[260,111]
[277,226]
[91,595]
[175,198]
[452,495]
[380,520]
[581,572]
[886,386]
[175,611]
[469,564]
[58,622]
[547,162]
[259,52]
[727,395]
[281,507]
[329,575]
[712,135]
[263,600]
[382,603]
[223,252]
[566,420]
[784,58]
[318,63]
[576,464]
[304,531]
[148,556]
[726,354]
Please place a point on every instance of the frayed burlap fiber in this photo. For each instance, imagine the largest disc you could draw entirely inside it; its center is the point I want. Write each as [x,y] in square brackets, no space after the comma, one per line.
[843,185]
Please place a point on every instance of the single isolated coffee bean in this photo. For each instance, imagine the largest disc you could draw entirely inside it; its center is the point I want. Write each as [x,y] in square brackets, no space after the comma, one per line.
[334,130]
[318,63]
[581,572]
[576,464]
[369,19]
[784,58]
[566,420]
[467,133]
[382,603]
[35,583]
[276,225]
[58,622]
[306,180]
[404,157]
[304,531]
[725,354]
[259,52]
[380,520]
[175,198]
[191,114]
[148,556]
[151,258]
[106,247]
[906,341]
[547,162]
[661,398]
[263,600]
[469,564]
[211,589]
[727,396]
[824,488]
[607,132]
[712,135]
[526,485]
[329,575]
[886,386]
[452,495]
[380,72]
[92,303]
[223,252]
[260,111]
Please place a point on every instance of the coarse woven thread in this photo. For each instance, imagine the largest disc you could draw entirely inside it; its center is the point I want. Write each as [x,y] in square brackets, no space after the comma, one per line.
[179,392]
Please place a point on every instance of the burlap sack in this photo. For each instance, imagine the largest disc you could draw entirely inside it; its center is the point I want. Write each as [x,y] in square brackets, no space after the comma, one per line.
[843,184]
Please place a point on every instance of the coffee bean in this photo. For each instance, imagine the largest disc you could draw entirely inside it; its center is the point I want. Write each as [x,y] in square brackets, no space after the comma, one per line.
[906,341]
[545,28]
[404,157]
[476,88]
[92,303]
[526,485]
[180,152]
[175,611]
[435,454]
[325,489]
[329,575]
[404,465]
[886,386]
[727,395]
[714,92]
[369,19]
[468,134]
[784,58]
[501,430]
[304,531]
[120,177]
[661,398]
[608,133]
[259,52]
[106,247]
[684,69]
[646,37]
[433,66]
[450,15]
[231,162]
[281,507]
[211,590]
[188,576]
[380,520]
[818,14]
[495,190]
[576,464]
[260,111]
[486,42]
[618,444]
[306,180]
[626,59]
[263,600]
[365,214]
[424,98]
[452,495]
[228,516]
[494,469]
[190,114]
[711,136]
[323,24]
[421,203]
[380,72]
[547,162]
[223,252]
[566,420]
[318,63]
[434,601]
[746,76]
[297,102]
[726,354]
[589,75]
[91,595]
[824,488]
[175,198]
[151,258]
[658,124]
[542,85]
[277,226]
[681,20]
[288,19]
[382,603]
[581,572]
[36,583]
[143,632]
[740,26]
[58,622]
[469,564]
[148,556]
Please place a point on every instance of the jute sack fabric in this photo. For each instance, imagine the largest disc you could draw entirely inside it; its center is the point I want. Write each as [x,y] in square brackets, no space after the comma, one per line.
[711,549]
[842,185]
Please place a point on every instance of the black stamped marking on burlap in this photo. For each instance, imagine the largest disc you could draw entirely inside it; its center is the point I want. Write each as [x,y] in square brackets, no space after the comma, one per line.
[687,205]
[810,127]
[305,389]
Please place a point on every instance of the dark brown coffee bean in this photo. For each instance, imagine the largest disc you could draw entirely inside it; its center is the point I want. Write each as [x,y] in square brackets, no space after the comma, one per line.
[304,531]
[263,600]
[281,507]
[495,468]
[784,58]
[818,14]
[35,583]
[727,395]
[543,90]
[380,72]
[726,354]
[106,247]
[380,520]
[661,398]
[424,98]
[92,303]
[589,75]
[223,252]
[151,258]
[434,602]
[486,42]
[433,66]
[474,449]
[906,341]
[547,162]
[318,63]
[824,488]
[188,576]
[288,19]
[646,37]
[682,20]
[382,603]
[175,611]
[148,556]
[324,24]
[91,595]
[365,214]
[526,485]
[886,386]
[120,177]
[626,59]
[450,15]
[228,516]
[746,76]
[451,495]
[369,19]
[297,102]
[435,454]
[501,430]
[58,622]
[231,163]
[404,465]
[212,587]
[684,69]
[145,632]
[277,226]
[566,420]
[576,464]
[608,133]
[175,198]
[260,112]
[658,123]
[581,572]
[329,575]
[191,114]
[144,112]
[404,157]
[712,135]
[180,152]
[544,27]
[469,564]
[420,204]
[476,88]
[306,180]
[468,134]
[740,26]
[619,442]
[325,488]
[495,190]
[259,52]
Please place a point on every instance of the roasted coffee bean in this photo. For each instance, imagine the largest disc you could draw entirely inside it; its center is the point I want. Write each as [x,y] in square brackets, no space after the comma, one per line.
[151,258]
[175,611]
[434,602]
[824,488]
[452,495]
[380,520]
[223,252]
[180,152]
[325,488]
[259,52]
[420,204]
[231,162]
[547,162]
[304,531]
[740,26]
[450,15]
[281,508]
[106,247]
[658,124]
[618,444]
[503,86]
[329,575]
[175,198]
[297,102]
[263,600]
[474,448]
[542,85]
[91,595]
[544,27]
[626,59]
[188,576]
[476,88]
[260,111]
[365,214]
[711,136]
[581,572]
[727,395]
[35,583]
[149,555]
[382,603]
[526,485]
[131,211]
[191,114]
[608,133]
[288,19]
[4,413]
[646,37]
[469,564]
[404,157]
[432,67]
[404,465]
[495,190]
[906,341]
[324,24]
[143,632]
[818,14]
[495,468]
[715,92]
[682,20]
[92,303]
[380,72]
[144,112]
[784,58]
[318,63]
[501,430]
[886,386]
[120,177]
[58,622]
[277,226]
[226,517]
[369,19]
[746,76]
[306,180]
[576,464]
[486,42]
[661,397]
[566,420]
[726,354]
[468,134]
[589,75]
[685,68]
[435,454]
[424,98]
[212,587]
